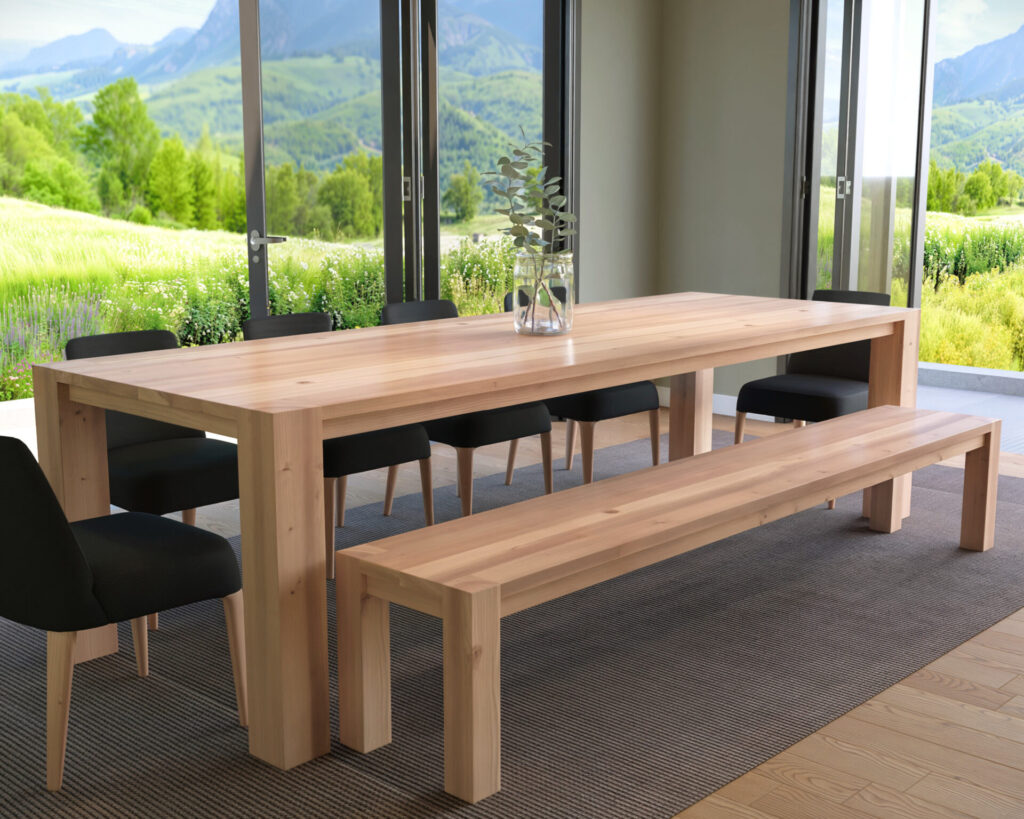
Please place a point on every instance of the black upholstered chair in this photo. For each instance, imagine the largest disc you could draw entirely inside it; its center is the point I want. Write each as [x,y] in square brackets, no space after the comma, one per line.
[67,578]
[585,409]
[156,467]
[475,429]
[354,453]
[818,384]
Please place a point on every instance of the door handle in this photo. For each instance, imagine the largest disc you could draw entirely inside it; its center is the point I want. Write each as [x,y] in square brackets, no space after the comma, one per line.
[255,240]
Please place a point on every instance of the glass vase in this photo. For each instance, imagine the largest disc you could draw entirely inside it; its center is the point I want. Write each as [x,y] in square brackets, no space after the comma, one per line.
[543,297]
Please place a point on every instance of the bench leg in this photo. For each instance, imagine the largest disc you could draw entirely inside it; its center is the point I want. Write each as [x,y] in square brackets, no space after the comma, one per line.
[364,662]
[885,512]
[981,478]
[472,693]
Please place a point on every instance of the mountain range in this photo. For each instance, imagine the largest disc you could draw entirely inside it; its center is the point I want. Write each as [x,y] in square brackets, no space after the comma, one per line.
[474,36]
[978,106]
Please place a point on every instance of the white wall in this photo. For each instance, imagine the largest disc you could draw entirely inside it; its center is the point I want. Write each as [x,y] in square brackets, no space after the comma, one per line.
[619,102]
[683,113]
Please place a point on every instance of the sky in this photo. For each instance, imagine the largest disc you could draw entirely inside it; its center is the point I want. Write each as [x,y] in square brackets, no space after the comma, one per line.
[962,24]
[130,21]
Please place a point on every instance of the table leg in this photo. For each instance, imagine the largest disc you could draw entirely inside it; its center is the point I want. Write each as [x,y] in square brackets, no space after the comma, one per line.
[281,485]
[981,480]
[72,443]
[472,693]
[690,414]
[893,380]
[364,661]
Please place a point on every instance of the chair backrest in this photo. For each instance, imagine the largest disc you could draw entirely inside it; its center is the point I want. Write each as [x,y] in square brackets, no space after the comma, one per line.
[45,581]
[294,324]
[557,291]
[405,312]
[843,360]
[123,429]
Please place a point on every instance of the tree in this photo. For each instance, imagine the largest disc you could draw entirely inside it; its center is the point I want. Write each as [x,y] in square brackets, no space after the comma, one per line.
[464,193]
[204,195]
[996,177]
[1014,185]
[371,167]
[170,181]
[944,185]
[121,135]
[347,193]
[979,188]
[55,181]
[111,192]
[282,199]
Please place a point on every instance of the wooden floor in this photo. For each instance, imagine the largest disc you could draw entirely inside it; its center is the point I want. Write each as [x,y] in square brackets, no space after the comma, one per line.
[947,741]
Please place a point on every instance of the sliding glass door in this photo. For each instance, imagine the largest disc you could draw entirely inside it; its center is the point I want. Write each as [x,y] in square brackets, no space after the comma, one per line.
[368,125]
[873,122]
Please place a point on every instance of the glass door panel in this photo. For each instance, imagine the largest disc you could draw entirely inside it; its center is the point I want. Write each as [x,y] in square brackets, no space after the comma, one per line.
[892,51]
[831,98]
[319,86]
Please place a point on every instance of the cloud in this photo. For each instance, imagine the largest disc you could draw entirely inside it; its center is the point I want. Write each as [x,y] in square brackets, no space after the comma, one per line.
[960,25]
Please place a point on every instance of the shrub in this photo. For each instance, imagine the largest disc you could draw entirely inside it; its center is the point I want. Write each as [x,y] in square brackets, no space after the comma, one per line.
[141,215]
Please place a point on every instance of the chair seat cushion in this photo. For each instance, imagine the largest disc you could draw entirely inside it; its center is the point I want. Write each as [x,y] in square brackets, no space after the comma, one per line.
[612,402]
[373,450]
[143,564]
[803,397]
[167,476]
[491,426]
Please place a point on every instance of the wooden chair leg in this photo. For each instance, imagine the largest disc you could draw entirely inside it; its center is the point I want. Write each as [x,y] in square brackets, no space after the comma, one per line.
[140,636]
[831,503]
[464,456]
[513,445]
[154,621]
[330,492]
[427,484]
[188,517]
[546,458]
[654,418]
[234,617]
[798,423]
[340,503]
[741,424]
[587,447]
[60,668]
[570,442]
[389,491]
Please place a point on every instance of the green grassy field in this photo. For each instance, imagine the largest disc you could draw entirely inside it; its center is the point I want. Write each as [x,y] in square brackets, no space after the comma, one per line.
[64,273]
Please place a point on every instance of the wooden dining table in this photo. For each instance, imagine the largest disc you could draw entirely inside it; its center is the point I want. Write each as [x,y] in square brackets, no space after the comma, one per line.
[280,398]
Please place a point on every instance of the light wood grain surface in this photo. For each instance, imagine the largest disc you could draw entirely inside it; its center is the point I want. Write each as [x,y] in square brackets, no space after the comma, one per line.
[280,397]
[473,571]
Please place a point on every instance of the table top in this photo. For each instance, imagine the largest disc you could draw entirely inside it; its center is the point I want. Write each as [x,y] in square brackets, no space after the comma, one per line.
[380,376]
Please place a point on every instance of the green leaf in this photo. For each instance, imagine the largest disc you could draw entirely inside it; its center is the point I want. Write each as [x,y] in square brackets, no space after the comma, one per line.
[558,201]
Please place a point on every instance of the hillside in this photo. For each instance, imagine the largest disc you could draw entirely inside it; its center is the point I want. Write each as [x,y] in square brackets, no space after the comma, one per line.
[979,106]
[318,109]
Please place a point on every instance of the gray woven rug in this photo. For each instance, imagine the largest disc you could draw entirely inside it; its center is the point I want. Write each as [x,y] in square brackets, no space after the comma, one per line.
[634,698]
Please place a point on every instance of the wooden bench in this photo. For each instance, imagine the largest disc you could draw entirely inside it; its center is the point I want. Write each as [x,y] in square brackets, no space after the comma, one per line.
[473,571]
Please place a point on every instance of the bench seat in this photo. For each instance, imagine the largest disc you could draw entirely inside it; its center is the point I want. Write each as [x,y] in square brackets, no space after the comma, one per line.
[473,571]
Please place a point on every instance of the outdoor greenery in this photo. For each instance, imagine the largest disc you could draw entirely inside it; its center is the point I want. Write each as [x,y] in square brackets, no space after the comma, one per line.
[107,276]
[117,164]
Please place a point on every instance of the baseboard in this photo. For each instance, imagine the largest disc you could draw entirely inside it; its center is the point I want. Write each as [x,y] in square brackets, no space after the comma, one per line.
[721,405]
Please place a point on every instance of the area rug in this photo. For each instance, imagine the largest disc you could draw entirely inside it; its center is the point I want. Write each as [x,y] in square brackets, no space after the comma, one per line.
[634,698]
